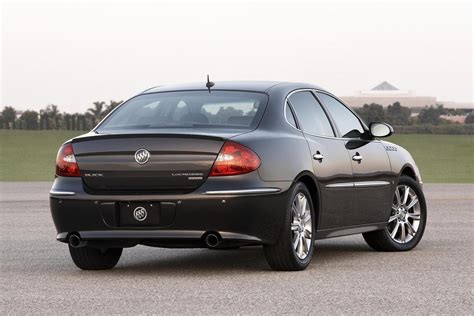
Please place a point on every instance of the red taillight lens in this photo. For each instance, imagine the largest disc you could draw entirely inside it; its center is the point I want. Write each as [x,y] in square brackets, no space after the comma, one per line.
[234,159]
[66,165]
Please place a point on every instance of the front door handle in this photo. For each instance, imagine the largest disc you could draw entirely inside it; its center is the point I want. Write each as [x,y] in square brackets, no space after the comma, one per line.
[318,156]
[357,157]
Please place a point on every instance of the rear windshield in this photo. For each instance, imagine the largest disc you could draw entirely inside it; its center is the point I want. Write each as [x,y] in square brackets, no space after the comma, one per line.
[189,109]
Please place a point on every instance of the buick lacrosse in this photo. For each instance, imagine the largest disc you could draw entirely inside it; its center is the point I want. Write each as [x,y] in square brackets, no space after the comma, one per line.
[234,164]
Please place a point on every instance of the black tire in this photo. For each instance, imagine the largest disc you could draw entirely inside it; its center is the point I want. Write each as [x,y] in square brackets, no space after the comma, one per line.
[382,241]
[282,256]
[87,258]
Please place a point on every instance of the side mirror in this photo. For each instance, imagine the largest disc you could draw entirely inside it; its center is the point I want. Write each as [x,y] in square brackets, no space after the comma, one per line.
[380,129]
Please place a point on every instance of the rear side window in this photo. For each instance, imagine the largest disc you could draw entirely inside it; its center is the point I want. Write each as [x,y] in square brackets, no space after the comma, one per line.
[189,109]
[311,116]
[347,123]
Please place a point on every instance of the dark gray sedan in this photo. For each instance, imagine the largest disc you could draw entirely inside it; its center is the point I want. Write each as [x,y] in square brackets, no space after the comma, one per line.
[235,164]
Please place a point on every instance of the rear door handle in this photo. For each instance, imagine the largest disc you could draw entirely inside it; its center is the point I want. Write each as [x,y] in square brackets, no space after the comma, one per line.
[357,157]
[318,156]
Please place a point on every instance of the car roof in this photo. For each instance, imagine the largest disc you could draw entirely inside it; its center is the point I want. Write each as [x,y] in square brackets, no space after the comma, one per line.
[257,86]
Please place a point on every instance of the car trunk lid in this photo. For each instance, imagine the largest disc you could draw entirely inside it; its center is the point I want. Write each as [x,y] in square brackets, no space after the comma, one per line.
[177,161]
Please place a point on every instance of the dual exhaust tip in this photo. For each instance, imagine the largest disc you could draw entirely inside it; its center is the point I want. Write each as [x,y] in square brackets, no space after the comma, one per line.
[76,242]
[212,240]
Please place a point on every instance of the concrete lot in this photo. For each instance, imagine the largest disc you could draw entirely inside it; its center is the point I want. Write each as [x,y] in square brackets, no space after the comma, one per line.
[345,277]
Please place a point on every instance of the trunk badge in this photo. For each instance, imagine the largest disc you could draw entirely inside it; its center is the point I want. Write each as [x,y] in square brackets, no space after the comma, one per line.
[140,213]
[142,156]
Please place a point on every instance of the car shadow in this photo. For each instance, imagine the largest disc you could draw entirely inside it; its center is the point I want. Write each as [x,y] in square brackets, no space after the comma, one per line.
[186,262]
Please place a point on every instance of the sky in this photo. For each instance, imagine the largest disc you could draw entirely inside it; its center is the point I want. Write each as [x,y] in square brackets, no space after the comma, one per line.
[72,53]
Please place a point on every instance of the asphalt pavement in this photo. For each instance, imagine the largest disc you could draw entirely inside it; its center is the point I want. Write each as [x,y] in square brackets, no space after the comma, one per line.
[345,276]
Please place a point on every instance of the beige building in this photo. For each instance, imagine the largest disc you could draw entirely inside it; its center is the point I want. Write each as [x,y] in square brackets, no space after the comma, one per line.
[386,94]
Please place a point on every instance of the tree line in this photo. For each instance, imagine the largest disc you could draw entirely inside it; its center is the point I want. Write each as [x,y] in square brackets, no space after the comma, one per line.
[51,117]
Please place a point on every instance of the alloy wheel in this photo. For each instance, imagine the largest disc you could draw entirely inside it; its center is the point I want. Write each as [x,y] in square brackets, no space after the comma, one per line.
[405,218]
[301,226]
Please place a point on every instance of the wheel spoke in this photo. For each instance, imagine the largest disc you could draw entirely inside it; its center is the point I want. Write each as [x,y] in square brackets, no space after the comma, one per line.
[308,244]
[392,218]
[294,226]
[299,207]
[296,241]
[307,217]
[415,216]
[303,205]
[413,202]
[410,229]
[307,233]
[304,248]
[406,194]
[397,196]
[394,207]
[300,247]
[403,236]
[395,230]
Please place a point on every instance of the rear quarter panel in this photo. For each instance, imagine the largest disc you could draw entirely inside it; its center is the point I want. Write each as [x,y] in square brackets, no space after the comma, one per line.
[283,154]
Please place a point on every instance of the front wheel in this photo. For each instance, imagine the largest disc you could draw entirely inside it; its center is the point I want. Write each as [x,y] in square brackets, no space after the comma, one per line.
[407,220]
[294,249]
[87,258]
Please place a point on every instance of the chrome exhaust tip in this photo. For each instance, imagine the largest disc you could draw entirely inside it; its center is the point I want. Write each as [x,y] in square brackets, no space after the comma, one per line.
[76,242]
[212,240]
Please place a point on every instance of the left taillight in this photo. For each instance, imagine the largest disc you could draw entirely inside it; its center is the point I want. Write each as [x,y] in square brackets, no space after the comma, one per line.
[66,165]
[234,159]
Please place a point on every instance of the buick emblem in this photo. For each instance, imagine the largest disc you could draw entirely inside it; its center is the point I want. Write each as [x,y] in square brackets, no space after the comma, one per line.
[142,156]
[140,213]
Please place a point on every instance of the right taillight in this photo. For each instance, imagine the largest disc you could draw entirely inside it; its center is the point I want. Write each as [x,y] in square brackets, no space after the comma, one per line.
[234,159]
[66,165]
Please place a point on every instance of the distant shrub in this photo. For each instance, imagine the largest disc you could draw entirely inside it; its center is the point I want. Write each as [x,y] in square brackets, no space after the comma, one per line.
[447,129]
[469,118]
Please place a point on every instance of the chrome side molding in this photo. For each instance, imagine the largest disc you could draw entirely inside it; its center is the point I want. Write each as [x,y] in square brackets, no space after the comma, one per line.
[340,185]
[360,184]
[365,184]
[243,191]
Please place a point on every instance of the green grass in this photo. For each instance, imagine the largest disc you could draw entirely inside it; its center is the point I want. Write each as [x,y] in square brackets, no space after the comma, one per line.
[441,158]
[30,155]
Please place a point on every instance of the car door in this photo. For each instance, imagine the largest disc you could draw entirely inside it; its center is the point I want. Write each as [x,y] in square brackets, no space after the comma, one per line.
[331,163]
[372,176]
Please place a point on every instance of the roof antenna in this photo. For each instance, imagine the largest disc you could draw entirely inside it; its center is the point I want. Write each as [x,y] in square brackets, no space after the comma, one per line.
[209,84]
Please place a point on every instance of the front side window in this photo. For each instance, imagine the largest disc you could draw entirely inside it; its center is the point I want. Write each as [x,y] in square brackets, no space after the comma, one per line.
[189,109]
[311,116]
[347,123]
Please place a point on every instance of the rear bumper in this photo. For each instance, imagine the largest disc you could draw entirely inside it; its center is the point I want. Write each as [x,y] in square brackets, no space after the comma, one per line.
[244,216]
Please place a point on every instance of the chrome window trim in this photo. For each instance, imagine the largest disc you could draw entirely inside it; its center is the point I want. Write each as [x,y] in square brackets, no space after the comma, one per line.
[65,193]
[286,118]
[362,123]
[243,191]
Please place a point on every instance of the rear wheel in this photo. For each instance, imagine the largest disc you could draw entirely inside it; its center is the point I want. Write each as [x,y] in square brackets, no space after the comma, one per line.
[87,258]
[407,220]
[294,249]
